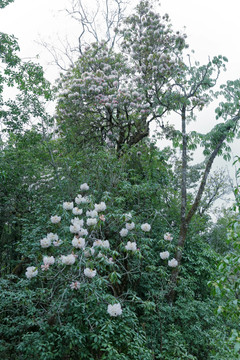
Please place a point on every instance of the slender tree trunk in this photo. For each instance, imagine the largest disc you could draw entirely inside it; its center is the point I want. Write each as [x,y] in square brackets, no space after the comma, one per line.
[183,226]
[187,217]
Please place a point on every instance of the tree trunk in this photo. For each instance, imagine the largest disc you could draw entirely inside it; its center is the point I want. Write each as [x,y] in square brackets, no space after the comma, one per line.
[187,217]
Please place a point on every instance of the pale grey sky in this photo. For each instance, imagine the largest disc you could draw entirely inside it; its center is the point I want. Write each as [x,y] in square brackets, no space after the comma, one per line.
[212,26]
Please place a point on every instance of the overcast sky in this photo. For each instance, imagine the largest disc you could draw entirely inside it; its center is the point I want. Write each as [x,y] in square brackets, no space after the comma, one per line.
[212,27]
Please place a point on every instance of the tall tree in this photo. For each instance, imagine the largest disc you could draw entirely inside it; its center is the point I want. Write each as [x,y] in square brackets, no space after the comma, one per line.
[115,99]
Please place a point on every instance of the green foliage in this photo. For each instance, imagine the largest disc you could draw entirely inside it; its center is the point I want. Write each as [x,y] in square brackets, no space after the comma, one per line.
[106,105]
[227,285]
[140,183]
[4,3]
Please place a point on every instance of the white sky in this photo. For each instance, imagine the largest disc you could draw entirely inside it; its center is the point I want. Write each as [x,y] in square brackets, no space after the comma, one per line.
[212,26]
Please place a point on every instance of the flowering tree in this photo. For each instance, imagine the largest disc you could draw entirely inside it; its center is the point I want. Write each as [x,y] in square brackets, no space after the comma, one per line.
[120,101]
[110,98]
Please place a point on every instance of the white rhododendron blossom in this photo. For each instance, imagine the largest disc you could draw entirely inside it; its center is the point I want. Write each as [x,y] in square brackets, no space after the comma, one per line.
[74,229]
[84,187]
[92,213]
[89,252]
[168,236]
[52,236]
[102,217]
[75,285]
[45,267]
[55,219]
[89,272]
[98,243]
[146,227]
[77,211]
[91,221]
[128,217]
[31,271]
[78,199]
[45,242]
[68,259]
[68,205]
[100,207]
[82,232]
[114,310]
[132,246]
[77,221]
[85,200]
[100,255]
[57,243]
[130,226]
[78,243]
[48,260]
[81,199]
[164,255]
[106,244]
[123,232]
[172,263]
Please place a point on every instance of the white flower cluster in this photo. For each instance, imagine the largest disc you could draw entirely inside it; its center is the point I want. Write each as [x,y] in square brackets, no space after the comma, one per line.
[84,187]
[81,200]
[102,243]
[99,249]
[91,221]
[128,216]
[78,242]
[131,246]
[77,211]
[75,285]
[47,261]
[55,219]
[31,272]
[90,273]
[92,213]
[68,259]
[68,205]
[100,207]
[130,226]
[114,310]
[173,263]
[146,227]
[123,232]
[165,254]
[168,236]
[47,241]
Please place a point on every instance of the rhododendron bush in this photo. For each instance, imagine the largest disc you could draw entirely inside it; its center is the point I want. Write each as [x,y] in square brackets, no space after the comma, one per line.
[89,275]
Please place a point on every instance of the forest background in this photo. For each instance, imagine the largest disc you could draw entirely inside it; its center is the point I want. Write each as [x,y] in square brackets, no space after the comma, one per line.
[141,271]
